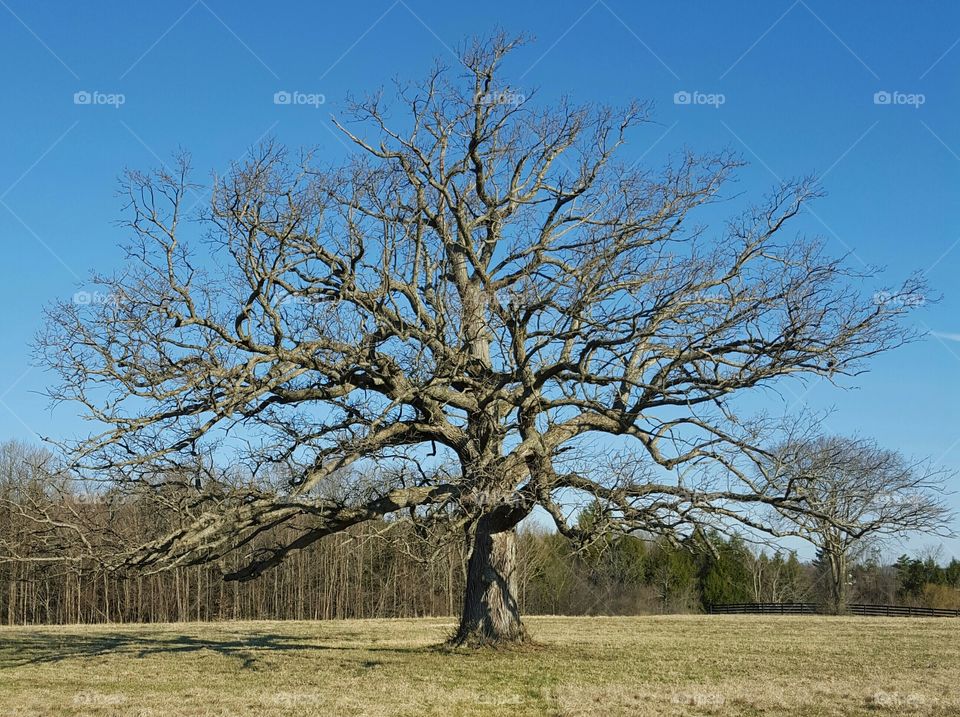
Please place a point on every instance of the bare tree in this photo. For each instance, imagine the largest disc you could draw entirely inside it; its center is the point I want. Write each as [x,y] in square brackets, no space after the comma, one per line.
[857,494]
[459,324]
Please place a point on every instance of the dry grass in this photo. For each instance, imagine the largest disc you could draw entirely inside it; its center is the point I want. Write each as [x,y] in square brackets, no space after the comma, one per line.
[727,665]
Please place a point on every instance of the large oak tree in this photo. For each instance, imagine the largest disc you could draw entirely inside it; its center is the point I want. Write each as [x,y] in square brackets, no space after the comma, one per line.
[464,321]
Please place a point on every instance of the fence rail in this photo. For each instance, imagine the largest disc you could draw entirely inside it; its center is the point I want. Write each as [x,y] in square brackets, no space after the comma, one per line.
[809,608]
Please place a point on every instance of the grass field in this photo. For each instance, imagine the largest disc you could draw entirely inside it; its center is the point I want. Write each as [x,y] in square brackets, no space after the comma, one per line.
[729,665]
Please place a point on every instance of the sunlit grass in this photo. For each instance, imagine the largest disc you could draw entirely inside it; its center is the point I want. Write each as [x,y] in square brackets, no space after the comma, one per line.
[737,665]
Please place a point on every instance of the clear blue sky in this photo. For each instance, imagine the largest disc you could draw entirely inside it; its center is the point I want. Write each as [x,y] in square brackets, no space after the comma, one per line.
[798,82]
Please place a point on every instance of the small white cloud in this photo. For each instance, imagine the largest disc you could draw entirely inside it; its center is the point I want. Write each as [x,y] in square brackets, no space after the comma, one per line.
[945,335]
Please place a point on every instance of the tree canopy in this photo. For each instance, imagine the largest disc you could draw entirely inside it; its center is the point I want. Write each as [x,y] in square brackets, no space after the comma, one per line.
[486,309]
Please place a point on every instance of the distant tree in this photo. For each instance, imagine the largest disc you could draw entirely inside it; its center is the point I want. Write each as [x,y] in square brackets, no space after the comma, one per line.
[672,572]
[554,582]
[873,582]
[725,572]
[776,578]
[442,328]
[951,573]
[614,563]
[923,580]
[31,484]
[789,585]
[857,494]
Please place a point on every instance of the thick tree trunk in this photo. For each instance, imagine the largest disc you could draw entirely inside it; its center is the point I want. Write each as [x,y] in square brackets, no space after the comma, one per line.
[838,579]
[491,615]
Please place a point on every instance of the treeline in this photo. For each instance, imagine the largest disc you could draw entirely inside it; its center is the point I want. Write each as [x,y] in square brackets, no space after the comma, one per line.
[369,573]
[389,569]
[925,582]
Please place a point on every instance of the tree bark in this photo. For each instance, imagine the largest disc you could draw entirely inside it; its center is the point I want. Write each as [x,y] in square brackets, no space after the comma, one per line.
[491,614]
[838,579]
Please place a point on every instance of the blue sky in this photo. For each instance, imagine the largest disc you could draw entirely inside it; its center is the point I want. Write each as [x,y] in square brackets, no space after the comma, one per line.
[792,86]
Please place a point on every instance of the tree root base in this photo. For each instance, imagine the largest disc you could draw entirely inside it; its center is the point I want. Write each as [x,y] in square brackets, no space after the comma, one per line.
[481,639]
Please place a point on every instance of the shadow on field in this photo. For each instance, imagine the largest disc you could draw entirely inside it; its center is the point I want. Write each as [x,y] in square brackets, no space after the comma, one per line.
[53,647]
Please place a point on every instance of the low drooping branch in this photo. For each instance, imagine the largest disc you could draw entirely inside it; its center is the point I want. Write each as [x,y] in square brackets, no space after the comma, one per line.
[213,535]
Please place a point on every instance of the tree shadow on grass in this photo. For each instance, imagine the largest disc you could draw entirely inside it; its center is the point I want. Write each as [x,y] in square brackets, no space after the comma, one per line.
[46,647]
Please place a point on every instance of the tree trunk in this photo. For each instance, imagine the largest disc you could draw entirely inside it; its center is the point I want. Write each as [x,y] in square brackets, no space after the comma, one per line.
[491,615]
[838,569]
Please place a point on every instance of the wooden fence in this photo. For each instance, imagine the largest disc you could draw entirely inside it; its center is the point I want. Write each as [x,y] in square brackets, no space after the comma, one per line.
[809,608]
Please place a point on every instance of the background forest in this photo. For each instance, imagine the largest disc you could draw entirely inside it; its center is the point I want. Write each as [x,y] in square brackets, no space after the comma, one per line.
[389,569]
